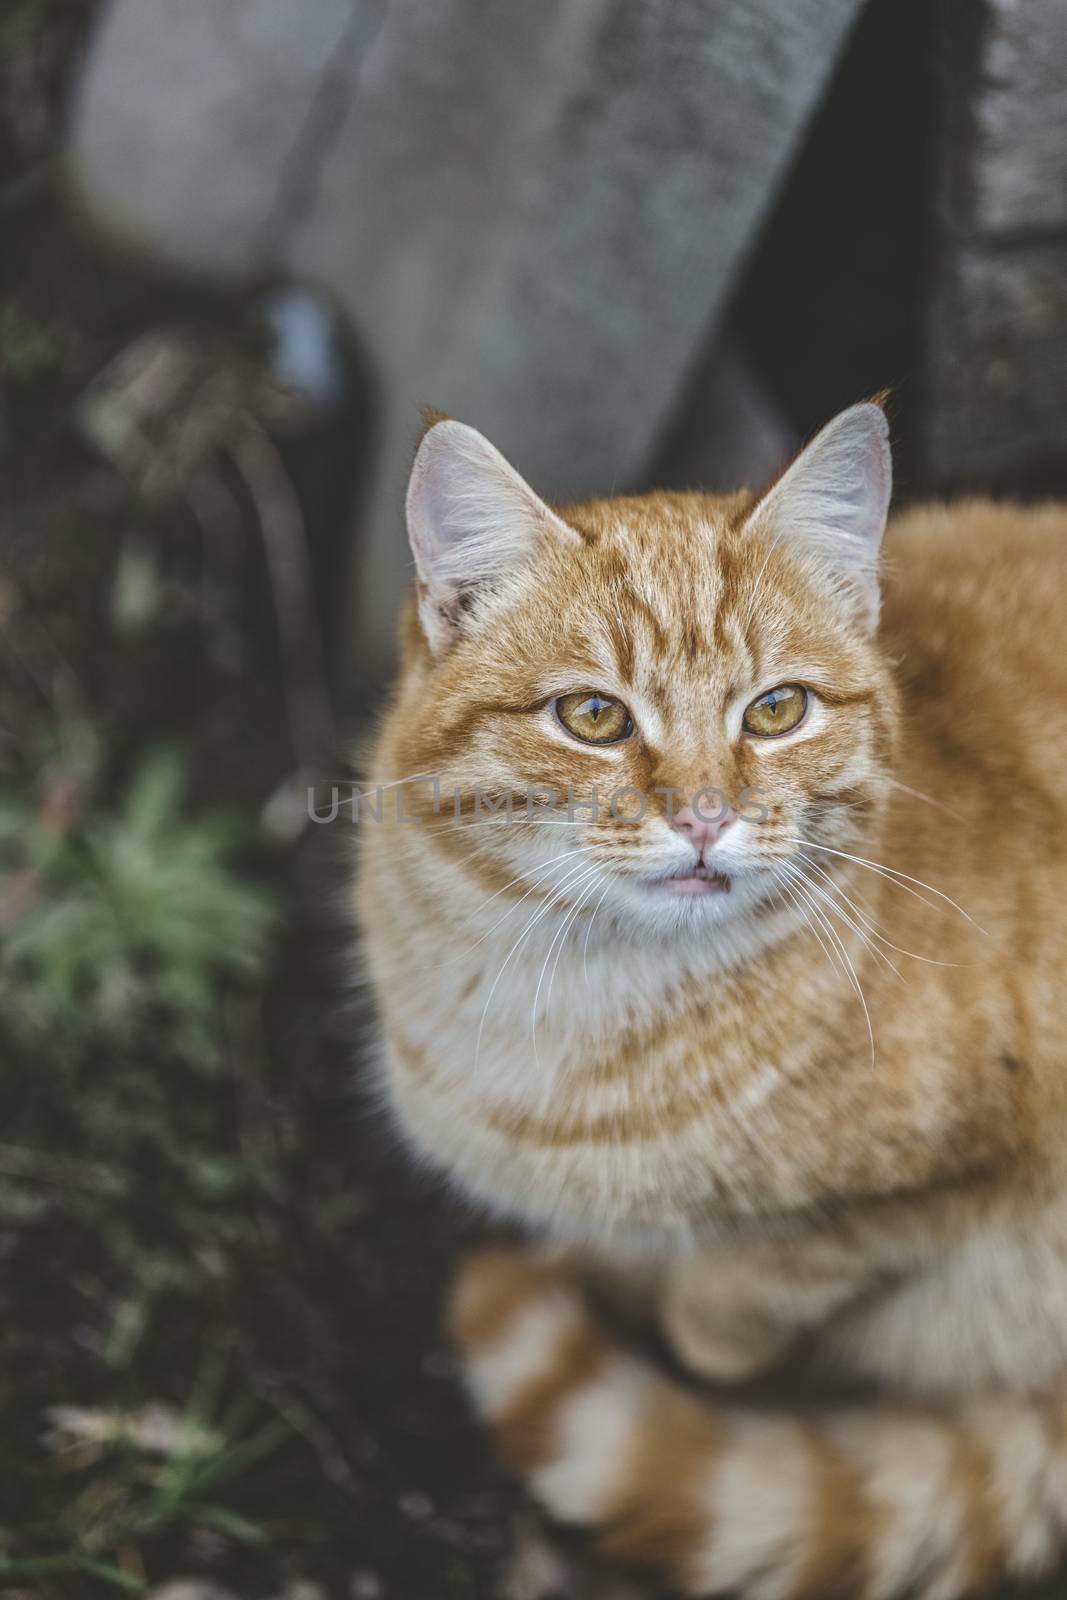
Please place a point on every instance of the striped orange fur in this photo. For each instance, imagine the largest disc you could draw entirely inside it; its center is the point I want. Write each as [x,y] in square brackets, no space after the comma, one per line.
[871,1502]
[792,1077]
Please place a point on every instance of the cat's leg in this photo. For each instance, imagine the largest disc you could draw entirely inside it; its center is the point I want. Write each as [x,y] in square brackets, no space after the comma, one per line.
[731,1314]
[628,1289]
[941,1501]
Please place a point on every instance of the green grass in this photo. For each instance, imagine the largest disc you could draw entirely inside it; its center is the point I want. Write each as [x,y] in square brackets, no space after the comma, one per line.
[132,955]
[121,922]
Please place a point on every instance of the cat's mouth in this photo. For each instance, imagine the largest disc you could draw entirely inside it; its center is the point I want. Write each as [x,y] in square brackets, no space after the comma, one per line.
[693,880]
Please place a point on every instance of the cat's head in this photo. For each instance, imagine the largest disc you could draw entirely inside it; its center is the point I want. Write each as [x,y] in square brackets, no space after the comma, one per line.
[661,704]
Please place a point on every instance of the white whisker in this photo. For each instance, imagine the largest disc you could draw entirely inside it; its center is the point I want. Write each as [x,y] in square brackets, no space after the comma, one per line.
[369,784]
[835,966]
[537,880]
[917,794]
[504,822]
[568,923]
[835,910]
[892,873]
[592,873]
[836,887]
[835,938]
[575,913]
[588,932]
[573,874]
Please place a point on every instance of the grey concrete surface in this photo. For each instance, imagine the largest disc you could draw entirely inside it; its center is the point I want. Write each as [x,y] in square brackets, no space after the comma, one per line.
[532,215]
[996,371]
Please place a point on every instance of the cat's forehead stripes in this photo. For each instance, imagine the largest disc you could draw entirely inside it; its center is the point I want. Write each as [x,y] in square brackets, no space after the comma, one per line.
[664,588]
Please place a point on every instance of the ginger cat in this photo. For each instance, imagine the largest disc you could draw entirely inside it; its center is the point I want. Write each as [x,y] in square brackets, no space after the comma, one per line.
[723,937]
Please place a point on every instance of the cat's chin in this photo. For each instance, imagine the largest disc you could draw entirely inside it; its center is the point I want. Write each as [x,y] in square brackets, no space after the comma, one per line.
[701,881]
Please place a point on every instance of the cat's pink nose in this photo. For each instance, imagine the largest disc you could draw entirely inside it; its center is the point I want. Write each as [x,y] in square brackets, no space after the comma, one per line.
[702,830]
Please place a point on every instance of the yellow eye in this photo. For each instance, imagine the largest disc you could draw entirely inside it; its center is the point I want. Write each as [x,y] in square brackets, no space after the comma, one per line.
[594,718]
[778,711]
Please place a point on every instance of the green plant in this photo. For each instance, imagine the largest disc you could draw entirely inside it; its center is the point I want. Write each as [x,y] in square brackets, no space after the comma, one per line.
[114,924]
[131,955]
[135,1476]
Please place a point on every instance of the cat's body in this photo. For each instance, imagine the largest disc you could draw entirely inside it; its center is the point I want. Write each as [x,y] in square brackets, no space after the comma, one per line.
[823,1095]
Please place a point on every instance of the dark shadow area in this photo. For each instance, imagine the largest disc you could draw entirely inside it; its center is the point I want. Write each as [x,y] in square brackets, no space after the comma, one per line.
[831,309]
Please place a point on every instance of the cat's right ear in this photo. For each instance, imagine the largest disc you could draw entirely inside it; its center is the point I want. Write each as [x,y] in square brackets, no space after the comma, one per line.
[830,506]
[471,519]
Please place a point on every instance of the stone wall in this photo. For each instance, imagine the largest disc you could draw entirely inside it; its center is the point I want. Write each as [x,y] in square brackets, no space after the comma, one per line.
[532,215]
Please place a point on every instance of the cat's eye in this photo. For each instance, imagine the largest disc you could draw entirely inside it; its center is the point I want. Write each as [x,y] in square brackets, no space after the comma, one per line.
[594,718]
[778,711]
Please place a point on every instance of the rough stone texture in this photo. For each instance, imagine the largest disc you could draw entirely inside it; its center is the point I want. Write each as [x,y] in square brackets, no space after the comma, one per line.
[579,189]
[192,120]
[1000,354]
[1020,171]
[996,380]
[532,214]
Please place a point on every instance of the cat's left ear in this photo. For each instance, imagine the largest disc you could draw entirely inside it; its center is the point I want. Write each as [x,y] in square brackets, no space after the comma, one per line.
[472,522]
[831,505]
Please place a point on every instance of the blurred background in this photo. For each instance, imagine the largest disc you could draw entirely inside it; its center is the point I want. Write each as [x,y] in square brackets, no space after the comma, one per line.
[242,243]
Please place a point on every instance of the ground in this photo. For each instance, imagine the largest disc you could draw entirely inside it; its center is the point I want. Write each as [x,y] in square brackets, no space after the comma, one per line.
[223,1281]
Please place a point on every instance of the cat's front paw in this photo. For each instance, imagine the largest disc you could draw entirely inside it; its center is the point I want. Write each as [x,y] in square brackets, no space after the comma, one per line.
[715,1334]
[724,1353]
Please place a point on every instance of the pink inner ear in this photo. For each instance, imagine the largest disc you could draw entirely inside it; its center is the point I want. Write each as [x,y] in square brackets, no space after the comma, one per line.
[830,507]
[470,515]
[839,486]
[427,501]
[461,490]
[471,521]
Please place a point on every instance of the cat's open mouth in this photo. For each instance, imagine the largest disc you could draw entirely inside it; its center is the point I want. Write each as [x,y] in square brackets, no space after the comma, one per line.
[694,880]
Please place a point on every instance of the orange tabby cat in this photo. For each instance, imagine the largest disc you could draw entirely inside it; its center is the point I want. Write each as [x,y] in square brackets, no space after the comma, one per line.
[722,933]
